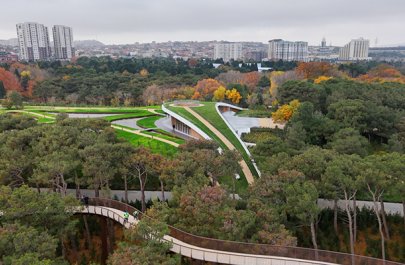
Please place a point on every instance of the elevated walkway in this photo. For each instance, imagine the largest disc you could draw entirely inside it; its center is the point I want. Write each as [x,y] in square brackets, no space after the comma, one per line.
[229,252]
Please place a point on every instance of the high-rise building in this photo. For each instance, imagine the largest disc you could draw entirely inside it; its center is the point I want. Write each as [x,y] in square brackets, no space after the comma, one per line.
[33,39]
[288,50]
[228,51]
[355,50]
[63,42]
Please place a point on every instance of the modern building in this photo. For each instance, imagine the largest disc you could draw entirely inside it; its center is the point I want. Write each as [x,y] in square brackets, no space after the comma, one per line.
[63,42]
[288,50]
[7,57]
[228,51]
[33,40]
[355,50]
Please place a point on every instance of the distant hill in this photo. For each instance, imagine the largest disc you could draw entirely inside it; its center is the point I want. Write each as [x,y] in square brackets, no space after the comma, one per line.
[87,43]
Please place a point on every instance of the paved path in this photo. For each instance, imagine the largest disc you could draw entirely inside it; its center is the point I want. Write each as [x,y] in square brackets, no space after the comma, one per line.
[242,163]
[138,132]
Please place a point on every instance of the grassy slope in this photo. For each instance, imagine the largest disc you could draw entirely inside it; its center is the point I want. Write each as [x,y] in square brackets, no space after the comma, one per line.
[209,112]
[137,114]
[241,184]
[148,122]
[154,145]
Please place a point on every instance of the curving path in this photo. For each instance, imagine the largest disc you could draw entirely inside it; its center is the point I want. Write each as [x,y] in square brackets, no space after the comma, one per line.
[242,163]
[226,252]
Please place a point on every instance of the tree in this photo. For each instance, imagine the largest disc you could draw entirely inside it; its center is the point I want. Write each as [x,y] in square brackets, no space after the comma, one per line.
[205,88]
[302,199]
[2,90]
[13,99]
[219,94]
[349,141]
[145,245]
[341,177]
[233,95]
[300,90]
[140,164]
[312,70]
[285,112]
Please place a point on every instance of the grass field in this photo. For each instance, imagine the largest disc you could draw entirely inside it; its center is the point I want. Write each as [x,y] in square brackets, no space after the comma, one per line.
[167,137]
[137,114]
[148,122]
[209,112]
[154,145]
[241,184]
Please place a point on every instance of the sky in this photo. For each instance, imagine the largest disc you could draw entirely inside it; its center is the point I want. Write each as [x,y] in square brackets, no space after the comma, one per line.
[130,21]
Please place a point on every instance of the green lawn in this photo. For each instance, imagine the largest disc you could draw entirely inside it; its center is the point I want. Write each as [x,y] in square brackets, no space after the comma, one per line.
[167,137]
[90,109]
[241,184]
[148,122]
[209,112]
[137,114]
[259,113]
[154,145]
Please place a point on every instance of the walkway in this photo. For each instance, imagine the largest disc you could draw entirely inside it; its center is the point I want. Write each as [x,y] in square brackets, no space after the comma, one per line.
[229,252]
[138,132]
[242,163]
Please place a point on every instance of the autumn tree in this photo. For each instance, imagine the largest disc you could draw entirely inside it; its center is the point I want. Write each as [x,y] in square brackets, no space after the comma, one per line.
[285,112]
[313,70]
[205,88]
[233,95]
[219,94]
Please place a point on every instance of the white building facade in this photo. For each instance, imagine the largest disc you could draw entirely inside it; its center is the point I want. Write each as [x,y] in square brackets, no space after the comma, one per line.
[33,40]
[63,42]
[228,51]
[288,50]
[355,50]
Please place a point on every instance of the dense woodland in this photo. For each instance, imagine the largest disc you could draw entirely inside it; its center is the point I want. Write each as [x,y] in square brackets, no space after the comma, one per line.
[344,139]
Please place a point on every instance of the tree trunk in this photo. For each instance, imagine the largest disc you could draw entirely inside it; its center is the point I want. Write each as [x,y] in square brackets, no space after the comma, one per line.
[162,189]
[86,226]
[97,191]
[313,234]
[126,189]
[335,216]
[354,219]
[384,219]
[142,184]
[349,217]
[38,189]
[403,210]
[380,227]
[78,195]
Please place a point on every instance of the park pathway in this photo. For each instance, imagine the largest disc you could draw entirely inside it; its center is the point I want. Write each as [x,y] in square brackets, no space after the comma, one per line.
[242,163]
[138,132]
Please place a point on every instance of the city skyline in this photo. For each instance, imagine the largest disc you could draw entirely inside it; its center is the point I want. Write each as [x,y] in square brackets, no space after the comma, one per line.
[126,22]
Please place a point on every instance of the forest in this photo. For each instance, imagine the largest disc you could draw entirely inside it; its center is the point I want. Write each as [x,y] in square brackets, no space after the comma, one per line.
[343,140]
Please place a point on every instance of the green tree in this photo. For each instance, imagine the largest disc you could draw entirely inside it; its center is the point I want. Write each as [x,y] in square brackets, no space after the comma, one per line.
[2,90]
[349,141]
[13,99]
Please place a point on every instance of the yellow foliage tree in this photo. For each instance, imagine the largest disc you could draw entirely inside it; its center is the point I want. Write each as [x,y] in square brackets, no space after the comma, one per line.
[144,72]
[273,82]
[321,79]
[26,74]
[233,95]
[219,94]
[285,112]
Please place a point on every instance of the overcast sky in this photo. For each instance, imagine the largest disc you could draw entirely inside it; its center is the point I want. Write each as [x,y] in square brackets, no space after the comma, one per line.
[129,21]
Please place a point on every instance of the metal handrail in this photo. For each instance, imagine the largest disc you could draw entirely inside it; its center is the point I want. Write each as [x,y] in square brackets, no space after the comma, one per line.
[252,248]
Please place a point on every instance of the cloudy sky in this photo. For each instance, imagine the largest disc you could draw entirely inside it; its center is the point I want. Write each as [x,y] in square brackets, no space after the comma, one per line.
[129,21]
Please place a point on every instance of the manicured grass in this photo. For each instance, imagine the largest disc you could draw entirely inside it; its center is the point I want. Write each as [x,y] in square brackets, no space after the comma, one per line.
[167,137]
[240,184]
[154,145]
[90,109]
[137,114]
[149,122]
[259,113]
[209,112]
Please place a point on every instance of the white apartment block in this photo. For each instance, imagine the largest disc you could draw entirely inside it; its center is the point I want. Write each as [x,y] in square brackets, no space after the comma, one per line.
[355,50]
[288,50]
[228,51]
[33,40]
[63,42]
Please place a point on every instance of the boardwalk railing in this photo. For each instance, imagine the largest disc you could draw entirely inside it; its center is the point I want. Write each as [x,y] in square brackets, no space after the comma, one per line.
[252,248]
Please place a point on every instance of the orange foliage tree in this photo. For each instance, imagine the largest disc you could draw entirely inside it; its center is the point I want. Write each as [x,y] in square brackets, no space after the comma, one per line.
[251,80]
[204,90]
[321,79]
[285,112]
[313,70]
[383,73]
[9,80]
